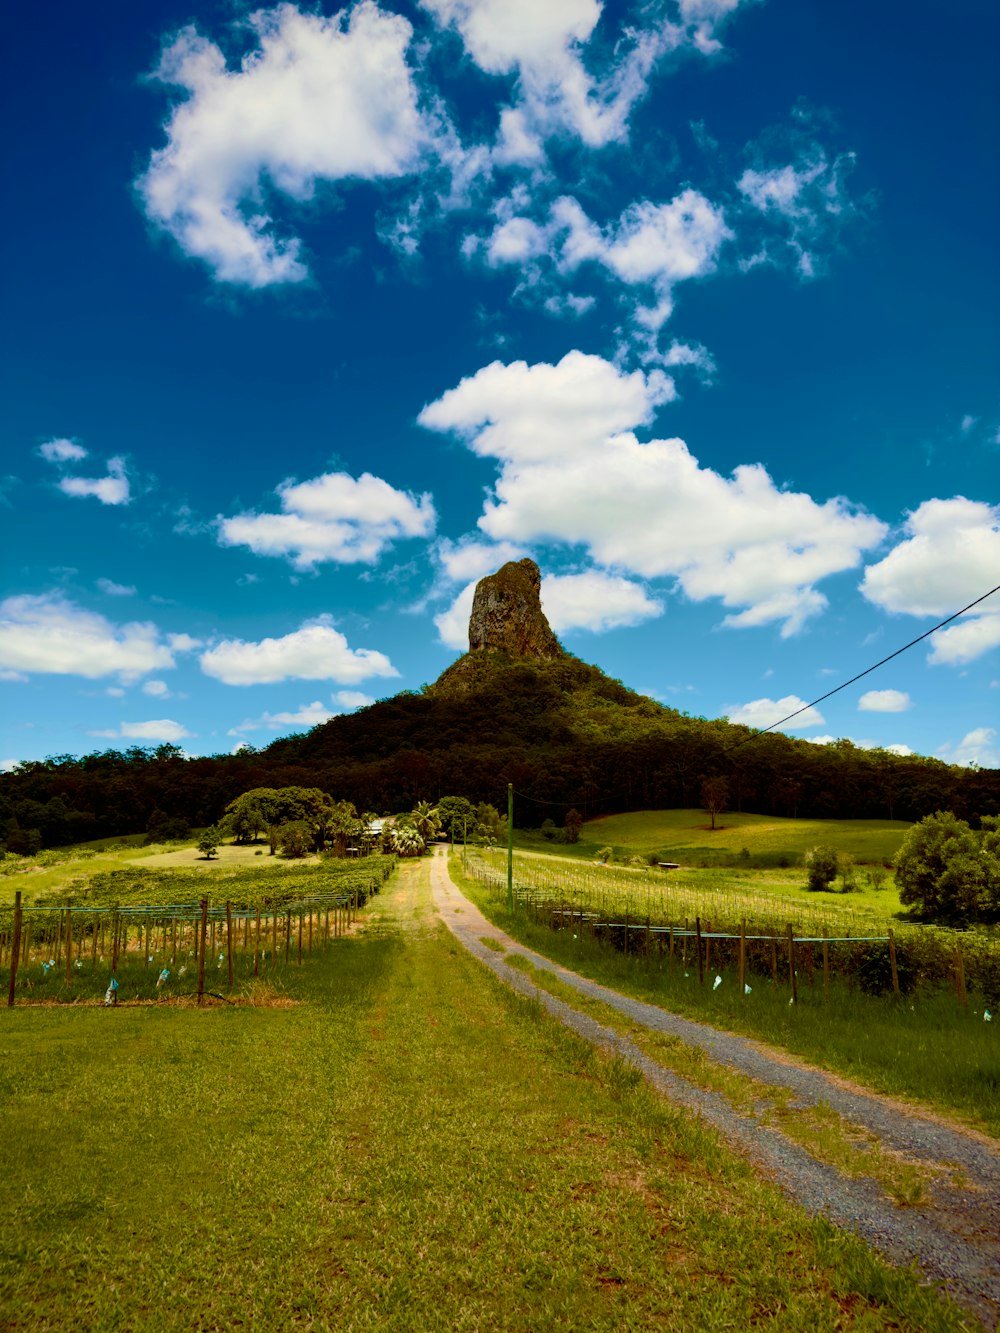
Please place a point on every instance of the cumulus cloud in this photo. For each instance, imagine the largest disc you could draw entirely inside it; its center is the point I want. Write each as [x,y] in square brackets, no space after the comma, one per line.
[978,747]
[50,634]
[158,689]
[353,699]
[563,85]
[62,451]
[9,765]
[950,553]
[318,100]
[112,589]
[333,517]
[885,701]
[316,651]
[572,471]
[555,92]
[596,601]
[159,729]
[309,715]
[110,490]
[652,246]
[763,713]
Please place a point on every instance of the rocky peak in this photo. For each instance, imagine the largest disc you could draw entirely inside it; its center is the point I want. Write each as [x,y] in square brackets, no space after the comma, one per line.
[507,615]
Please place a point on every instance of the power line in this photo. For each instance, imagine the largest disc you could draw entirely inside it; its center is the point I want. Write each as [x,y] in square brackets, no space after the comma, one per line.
[866,672]
[836,690]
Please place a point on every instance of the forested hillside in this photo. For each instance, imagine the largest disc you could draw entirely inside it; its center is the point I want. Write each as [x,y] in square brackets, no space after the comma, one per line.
[563,732]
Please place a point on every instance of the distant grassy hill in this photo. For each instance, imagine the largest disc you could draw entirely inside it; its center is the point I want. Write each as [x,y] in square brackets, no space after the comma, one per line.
[686,836]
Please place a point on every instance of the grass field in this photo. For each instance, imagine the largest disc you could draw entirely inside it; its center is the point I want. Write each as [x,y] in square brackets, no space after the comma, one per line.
[686,835]
[63,867]
[401,1144]
[926,1048]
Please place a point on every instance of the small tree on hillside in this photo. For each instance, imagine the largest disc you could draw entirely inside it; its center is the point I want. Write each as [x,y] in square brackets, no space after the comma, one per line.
[822,864]
[208,843]
[715,795]
[573,824]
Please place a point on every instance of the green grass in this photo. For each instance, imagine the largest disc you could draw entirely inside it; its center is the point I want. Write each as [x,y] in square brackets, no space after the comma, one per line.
[686,835]
[926,1049]
[410,1146]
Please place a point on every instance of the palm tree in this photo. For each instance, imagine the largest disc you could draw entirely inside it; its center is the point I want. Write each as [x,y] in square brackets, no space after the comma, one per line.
[406,840]
[426,820]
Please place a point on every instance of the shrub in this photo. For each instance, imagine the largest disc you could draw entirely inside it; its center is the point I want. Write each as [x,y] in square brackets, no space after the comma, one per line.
[822,867]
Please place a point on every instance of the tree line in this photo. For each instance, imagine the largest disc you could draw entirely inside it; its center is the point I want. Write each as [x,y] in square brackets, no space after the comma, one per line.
[564,734]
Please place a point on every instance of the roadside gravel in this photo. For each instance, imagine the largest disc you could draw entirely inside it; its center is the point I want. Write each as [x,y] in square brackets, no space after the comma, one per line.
[954,1237]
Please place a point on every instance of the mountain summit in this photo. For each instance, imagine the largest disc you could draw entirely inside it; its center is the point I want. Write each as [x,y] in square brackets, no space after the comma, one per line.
[507,626]
[507,615]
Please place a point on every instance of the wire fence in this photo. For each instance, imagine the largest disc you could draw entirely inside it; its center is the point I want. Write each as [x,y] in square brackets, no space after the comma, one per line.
[646,925]
[59,951]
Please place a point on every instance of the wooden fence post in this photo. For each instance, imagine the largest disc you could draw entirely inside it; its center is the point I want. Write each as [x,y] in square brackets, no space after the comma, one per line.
[114,944]
[256,945]
[791,962]
[892,962]
[15,949]
[288,932]
[743,957]
[201,951]
[670,959]
[69,944]
[701,961]
[229,941]
[826,969]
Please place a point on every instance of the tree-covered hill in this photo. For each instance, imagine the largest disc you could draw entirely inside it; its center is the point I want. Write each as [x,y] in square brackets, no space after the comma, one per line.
[561,731]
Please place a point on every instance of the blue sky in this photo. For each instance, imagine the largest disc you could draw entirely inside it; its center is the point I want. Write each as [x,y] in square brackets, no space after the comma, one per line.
[316,315]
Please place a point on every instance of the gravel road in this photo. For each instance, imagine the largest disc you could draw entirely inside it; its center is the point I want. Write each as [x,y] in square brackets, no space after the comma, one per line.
[954,1237]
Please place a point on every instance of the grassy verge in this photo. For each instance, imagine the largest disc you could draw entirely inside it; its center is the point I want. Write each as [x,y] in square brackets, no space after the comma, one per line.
[931,1051]
[823,1132]
[410,1146]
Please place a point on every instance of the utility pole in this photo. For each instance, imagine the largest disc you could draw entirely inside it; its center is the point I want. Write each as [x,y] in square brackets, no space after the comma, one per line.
[510,848]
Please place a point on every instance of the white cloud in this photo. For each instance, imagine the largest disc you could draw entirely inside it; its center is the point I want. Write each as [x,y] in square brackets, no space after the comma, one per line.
[319,99]
[110,490]
[333,517]
[353,699]
[469,559]
[115,692]
[885,701]
[316,651]
[803,204]
[160,729]
[12,676]
[761,713]
[9,765]
[654,246]
[112,589]
[950,553]
[158,689]
[978,747]
[62,451]
[571,471]
[595,601]
[902,750]
[453,623]
[555,93]
[308,715]
[183,643]
[49,634]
